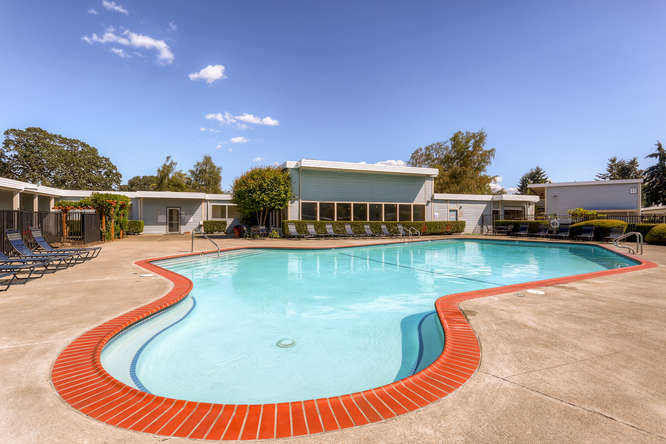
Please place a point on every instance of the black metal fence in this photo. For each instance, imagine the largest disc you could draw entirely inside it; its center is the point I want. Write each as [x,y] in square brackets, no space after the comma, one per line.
[630,219]
[81,227]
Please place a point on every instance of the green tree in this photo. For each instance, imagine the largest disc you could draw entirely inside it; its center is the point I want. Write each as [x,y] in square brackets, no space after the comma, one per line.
[462,162]
[206,176]
[654,188]
[261,190]
[621,169]
[170,179]
[535,175]
[37,156]
[140,183]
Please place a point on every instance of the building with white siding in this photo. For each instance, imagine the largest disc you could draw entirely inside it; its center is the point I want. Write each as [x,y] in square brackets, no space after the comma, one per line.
[322,190]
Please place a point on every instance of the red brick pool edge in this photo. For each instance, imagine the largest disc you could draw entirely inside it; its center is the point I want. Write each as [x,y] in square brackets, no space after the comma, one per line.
[80,379]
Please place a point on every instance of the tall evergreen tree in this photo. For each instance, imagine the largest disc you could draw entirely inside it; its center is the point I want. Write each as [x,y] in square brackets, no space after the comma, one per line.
[535,175]
[654,187]
[462,162]
[621,169]
[206,176]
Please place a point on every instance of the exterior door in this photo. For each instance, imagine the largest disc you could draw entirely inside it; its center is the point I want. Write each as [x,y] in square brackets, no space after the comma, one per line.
[173,220]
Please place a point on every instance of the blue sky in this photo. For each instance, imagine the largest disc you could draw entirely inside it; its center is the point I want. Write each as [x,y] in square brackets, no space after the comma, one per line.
[561,84]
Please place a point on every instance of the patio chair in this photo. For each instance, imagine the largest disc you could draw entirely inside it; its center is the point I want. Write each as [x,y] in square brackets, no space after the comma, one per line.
[349,231]
[386,232]
[293,232]
[586,234]
[330,232]
[523,230]
[368,231]
[402,231]
[85,252]
[19,246]
[542,232]
[563,232]
[615,232]
[6,283]
[8,267]
[502,229]
[312,232]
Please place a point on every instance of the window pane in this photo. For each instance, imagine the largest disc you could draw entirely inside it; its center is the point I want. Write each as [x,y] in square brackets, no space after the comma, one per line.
[326,211]
[405,212]
[514,214]
[419,212]
[344,211]
[453,214]
[232,212]
[360,212]
[375,211]
[390,212]
[219,212]
[309,211]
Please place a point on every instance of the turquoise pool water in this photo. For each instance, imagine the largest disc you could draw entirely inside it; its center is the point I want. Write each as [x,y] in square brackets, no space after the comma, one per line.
[358,317]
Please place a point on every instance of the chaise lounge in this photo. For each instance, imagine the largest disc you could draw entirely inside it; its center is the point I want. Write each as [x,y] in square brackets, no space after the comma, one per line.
[16,241]
[85,253]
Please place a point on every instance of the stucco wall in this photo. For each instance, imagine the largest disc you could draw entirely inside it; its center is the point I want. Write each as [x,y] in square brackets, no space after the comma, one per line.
[155,214]
[592,197]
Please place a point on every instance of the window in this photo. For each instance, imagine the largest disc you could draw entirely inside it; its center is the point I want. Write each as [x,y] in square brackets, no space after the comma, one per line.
[405,212]
[375,211]
[343,211]
[309,211]
[326,211]
[360,211]
[233,212]
[390,212]
[514,213]
[219,211]
[419,212]
[453,214]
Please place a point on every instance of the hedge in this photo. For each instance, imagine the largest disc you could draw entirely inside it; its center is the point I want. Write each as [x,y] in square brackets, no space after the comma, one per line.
[644,229]
[431,227]
[657,235]
[134,226]
[215,226]
[532,225]
[602,227]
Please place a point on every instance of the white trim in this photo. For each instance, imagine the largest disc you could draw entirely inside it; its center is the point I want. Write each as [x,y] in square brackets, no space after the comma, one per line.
[360,167]
[487,197]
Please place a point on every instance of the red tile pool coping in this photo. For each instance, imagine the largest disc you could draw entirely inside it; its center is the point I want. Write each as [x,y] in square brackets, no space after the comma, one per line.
[80,379]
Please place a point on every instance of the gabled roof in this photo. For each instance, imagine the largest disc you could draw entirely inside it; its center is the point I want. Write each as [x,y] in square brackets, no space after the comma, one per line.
[359,167]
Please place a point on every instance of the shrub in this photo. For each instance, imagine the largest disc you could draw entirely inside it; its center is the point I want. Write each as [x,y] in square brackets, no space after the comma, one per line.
[581,213]
[134,226]
[532,225]
[430,227]
[657,235]
[644,229]
[215,226]
[602,227]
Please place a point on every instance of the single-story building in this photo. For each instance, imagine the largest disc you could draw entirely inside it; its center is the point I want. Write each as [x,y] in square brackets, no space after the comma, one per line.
[322,190]
[613,197]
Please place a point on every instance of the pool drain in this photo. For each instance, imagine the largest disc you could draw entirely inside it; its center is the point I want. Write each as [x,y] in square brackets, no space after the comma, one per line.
[285,343]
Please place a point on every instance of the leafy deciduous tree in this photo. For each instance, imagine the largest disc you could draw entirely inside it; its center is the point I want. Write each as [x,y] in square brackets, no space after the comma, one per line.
[621,169]
[261,190]
[535,175]
[37,156]
[654,188]
[462,162]
[206,176]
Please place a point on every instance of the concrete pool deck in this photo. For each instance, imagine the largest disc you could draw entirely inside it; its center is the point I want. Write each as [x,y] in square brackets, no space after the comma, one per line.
[583,362]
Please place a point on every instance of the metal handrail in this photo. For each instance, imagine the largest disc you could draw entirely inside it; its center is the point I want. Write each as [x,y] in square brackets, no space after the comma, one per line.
[639,242]
[195,231]
[413,231]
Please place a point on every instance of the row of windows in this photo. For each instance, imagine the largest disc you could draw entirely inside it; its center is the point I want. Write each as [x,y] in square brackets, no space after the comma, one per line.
[224,212]
[346,211]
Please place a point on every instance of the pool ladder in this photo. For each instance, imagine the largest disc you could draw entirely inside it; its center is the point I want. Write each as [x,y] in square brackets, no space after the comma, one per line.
[639,242]
[198,230]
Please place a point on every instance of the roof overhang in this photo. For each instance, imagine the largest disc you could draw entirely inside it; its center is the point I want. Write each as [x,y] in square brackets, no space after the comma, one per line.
[488,197]
[360,167]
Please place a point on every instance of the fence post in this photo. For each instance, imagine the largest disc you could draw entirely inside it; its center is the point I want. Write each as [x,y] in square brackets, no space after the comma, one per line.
[64,225]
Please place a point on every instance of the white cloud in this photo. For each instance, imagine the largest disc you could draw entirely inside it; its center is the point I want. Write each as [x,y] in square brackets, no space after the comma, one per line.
[392,163]
[258,159]
[209,130]
[210,74]
[496,185]
[120,53]
[242,120]
[134,40]
[172,26]
[219,145]
[239,139]
[93,11]
[113,6]
[229,149]
[202,129]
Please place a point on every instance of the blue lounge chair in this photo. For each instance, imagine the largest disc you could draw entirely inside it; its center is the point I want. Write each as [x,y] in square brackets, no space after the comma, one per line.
[349,231]
[523,230]
[587,233]
[386,232]
[563,233]
[330,232]
[16,241]
[615,232]
[16,268]
[368,231]
[293,232]
[85,253]
[542,232]
[311,230]
[7,282]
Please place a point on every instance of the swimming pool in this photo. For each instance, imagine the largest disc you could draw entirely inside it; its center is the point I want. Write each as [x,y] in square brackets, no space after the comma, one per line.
[353,318]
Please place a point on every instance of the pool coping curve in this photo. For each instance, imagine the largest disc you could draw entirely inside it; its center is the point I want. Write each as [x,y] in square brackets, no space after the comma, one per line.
[80,379]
